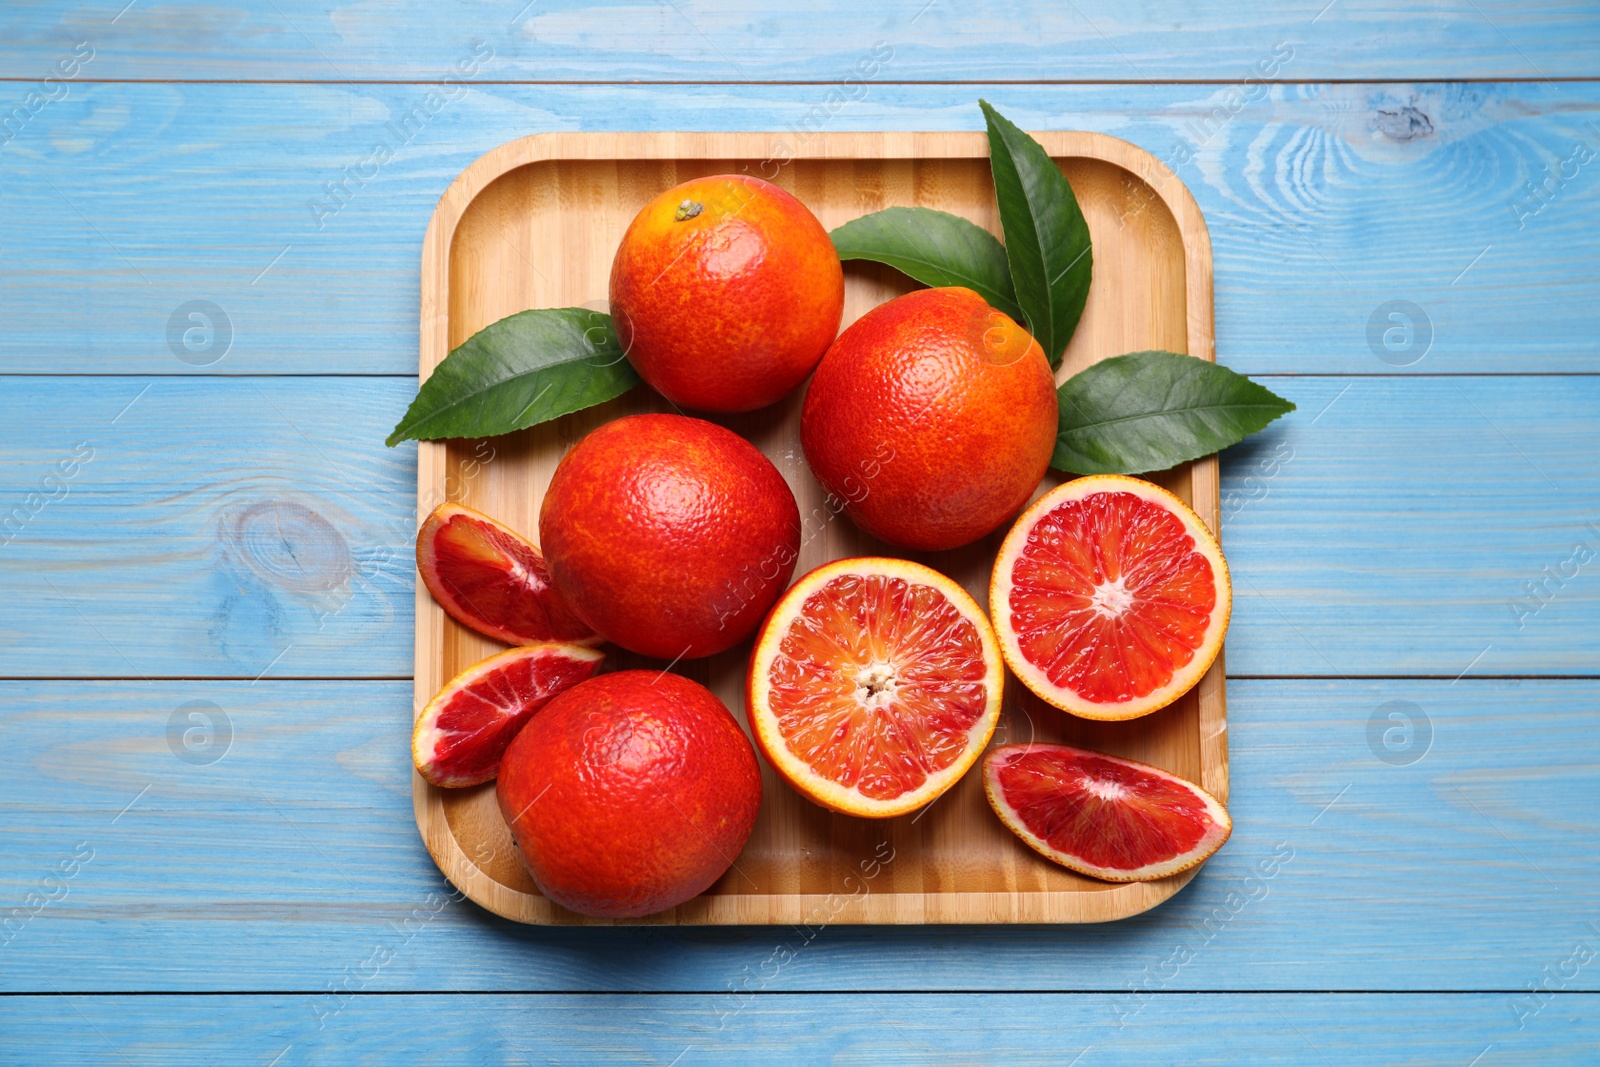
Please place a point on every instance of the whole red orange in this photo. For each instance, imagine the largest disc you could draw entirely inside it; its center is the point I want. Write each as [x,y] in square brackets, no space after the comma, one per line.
[630,793]
[669,536]
[725,292]
[932,418]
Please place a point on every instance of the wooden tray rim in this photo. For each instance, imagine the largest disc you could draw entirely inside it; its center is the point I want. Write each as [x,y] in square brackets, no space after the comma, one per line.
[1106,905]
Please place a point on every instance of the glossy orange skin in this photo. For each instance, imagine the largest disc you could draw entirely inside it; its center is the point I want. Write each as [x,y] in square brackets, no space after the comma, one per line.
[668,535]
[630,793]
[730,307]
[933,418]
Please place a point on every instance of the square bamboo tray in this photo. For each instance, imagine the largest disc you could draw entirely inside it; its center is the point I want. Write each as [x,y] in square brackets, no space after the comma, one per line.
[534,223]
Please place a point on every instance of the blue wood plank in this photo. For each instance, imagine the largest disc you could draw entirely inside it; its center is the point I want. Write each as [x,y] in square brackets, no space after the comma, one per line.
[1023,1028]
[1471,205]
[1420,527]
[704,40]
[178,526]
[276,851]
[1438,526]
[1390,526]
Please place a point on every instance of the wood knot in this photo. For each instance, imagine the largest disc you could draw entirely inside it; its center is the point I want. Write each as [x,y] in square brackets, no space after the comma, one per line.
[289,545]
[1403,123]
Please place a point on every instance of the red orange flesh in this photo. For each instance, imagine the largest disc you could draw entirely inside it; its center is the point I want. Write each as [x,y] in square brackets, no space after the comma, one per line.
[874,685]
[488,577]
[1100,815]
[1110,597]
[461,736]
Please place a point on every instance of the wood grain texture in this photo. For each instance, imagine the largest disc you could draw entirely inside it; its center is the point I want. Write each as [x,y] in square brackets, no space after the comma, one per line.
[1394,533]
[1454,541]
[1349,556]
[571,196]
[1019,1028]
[290,861]
[1325,202]
[720,40]
[239,527]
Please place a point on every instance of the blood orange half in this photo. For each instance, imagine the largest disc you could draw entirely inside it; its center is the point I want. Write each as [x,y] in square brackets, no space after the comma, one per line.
[488,577]
[874,685]
[1106,817]
[1110,597]
[464,731]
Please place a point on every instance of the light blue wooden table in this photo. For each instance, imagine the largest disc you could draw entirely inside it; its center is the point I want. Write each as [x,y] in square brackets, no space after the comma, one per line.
[208,854]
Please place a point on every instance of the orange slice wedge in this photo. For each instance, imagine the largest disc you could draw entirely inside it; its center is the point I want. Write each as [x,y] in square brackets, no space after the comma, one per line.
[461,736]
[1101,815]
[487,576]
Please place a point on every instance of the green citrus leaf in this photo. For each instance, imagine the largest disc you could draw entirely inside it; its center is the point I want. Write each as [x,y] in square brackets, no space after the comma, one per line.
[1147,411]
[527,368]
[1047,240]
[933,247]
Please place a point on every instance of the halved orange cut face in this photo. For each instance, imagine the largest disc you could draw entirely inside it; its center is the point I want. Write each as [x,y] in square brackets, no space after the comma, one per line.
[1110,597]
[875,683]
